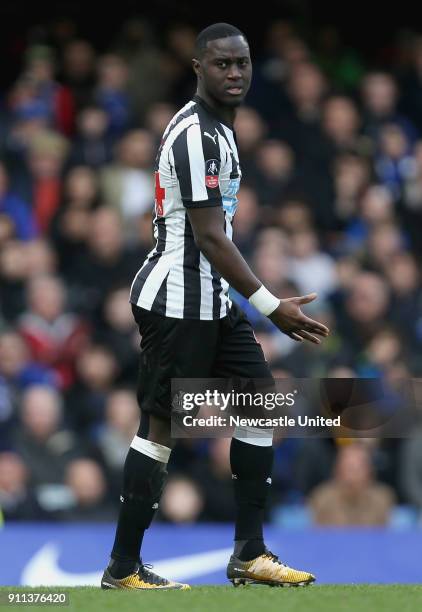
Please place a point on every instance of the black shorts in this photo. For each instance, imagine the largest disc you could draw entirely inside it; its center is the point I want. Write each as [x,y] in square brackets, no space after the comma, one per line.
[186,348]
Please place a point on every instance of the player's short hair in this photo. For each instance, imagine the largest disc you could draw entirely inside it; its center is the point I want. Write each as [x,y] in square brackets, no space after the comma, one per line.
[213,32]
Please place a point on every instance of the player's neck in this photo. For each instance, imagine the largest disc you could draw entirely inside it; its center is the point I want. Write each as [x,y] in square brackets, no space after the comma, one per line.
[225,113]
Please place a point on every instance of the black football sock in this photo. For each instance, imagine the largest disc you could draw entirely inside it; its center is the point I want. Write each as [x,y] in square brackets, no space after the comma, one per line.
[251,469]
[121,569]
[143,482]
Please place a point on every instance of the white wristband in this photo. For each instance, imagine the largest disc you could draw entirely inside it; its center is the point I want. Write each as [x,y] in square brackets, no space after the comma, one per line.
[264,301]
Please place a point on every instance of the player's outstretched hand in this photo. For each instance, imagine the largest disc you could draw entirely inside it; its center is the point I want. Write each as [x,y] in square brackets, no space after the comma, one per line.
[289,319]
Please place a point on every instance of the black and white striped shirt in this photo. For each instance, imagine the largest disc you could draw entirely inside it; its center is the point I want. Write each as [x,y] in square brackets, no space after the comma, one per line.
[197,165]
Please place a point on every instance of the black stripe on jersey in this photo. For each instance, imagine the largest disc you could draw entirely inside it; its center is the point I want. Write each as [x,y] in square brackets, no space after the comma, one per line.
[159,304]
[153,260]
[211,151]
[216,289]
[182,166]
[191,275]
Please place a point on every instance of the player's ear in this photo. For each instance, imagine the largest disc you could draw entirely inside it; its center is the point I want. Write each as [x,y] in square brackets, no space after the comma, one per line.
[196,64]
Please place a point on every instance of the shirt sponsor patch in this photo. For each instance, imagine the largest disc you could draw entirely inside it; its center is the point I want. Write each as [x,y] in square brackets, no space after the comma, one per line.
[212,168]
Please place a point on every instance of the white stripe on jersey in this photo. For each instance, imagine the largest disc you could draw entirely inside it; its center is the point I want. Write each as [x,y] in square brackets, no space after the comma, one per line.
[180,127]
[173,121]
[175,291]
[176,281]
[224,289]
[206,288]
[154,281]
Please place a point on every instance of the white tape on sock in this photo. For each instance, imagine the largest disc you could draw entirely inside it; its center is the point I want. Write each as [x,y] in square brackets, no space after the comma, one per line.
[151,449]
[254,435]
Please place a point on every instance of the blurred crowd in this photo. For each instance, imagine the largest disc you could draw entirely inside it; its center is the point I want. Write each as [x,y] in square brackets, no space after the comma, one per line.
[331,201]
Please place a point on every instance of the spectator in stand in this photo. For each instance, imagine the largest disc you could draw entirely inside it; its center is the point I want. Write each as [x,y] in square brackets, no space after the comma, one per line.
[275,172]
[411,84]
[293,215]
[351,175]
[17,499]
[54,336]
[70,227]
[57,99]
[413,182]
[379,94]
[375,208]
[384,350]
[114,438]
[300,127]
[311,269]
[16,366]
[366,306]
[284,53]
[136,43]
[107,263]
[92,145]
[404,277]
[251,130]
[394,162]
[127,184]
[41,182]
[79,71]
[18,262]
[182,501]
[180,49]
[87,485]
[7,413]
[119,333]
[353,496]
[385,240]
[213,476]
[16,217]
[111,93]
[246,221]
[410,466]
[411,209]
[270,257]
[85,401]
[41,258]
[21,128]
[341,122]
[42,441]
[13,275]
[157,119]
[342,64]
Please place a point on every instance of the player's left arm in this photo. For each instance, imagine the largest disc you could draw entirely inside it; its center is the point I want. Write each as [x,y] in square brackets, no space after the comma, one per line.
[210,237]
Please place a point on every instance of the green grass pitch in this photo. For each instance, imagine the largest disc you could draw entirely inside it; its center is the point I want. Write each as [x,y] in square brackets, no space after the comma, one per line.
[324,598]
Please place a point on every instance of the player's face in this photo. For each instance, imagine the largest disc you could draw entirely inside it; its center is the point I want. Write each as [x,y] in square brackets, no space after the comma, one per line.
[226,70]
